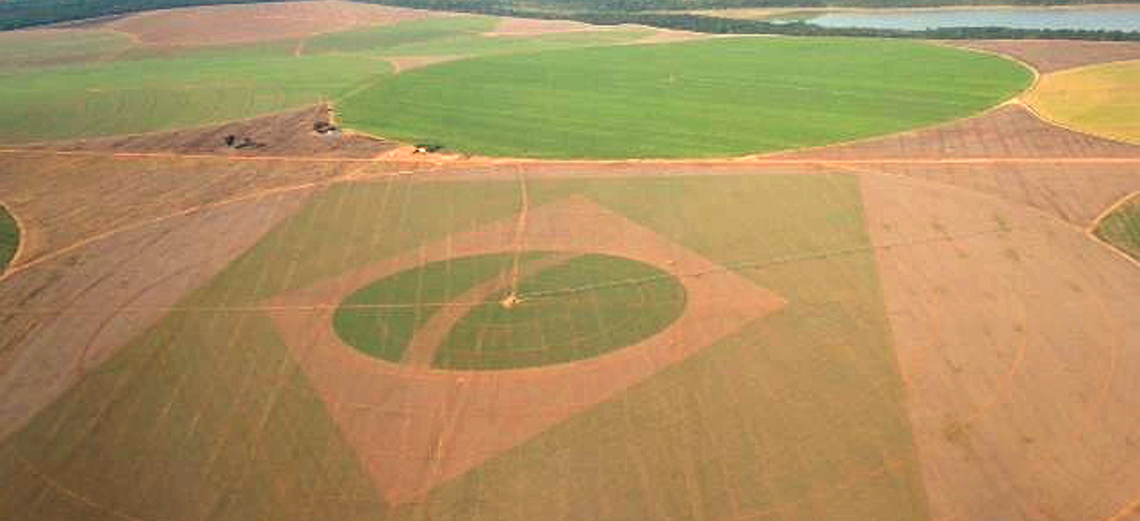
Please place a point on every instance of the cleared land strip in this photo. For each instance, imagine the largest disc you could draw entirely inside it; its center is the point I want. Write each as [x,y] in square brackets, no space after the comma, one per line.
[475,168]
[479,162]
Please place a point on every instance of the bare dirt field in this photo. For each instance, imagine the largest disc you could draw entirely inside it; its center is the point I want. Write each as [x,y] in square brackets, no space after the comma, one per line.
[1007,132]
[1014,333]
[215,25]
[1008,153]
[72,312]
[1054,55]
[110,193]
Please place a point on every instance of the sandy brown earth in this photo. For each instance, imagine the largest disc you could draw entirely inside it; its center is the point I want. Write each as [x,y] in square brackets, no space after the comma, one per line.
[1054,55]
[71,200]
[214,25]
[1006,152]
[1016,335]
[447,422]
[1008,132]
[287,134]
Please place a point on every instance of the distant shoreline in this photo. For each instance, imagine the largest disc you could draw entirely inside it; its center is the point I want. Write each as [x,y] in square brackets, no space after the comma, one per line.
[761,13]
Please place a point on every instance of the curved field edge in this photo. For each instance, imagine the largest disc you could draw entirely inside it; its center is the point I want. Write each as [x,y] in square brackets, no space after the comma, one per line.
[1120,226]
[1101,100]
[714,98]
[9,237]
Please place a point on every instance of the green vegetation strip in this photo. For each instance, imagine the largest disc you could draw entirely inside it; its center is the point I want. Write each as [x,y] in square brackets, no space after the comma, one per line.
[84,84]
[585,307]
[1121,228]
[121,97]
[9,238]
[50,48]
[724,97]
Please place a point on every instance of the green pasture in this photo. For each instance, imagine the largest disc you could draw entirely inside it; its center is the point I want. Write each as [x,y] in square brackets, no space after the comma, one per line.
[9,238]
[54,48]
[722,97]
[95,83]
[799,415]
[132,96]
[1121,228]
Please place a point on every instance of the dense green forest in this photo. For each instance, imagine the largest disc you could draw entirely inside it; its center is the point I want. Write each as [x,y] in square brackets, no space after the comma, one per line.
[24,13]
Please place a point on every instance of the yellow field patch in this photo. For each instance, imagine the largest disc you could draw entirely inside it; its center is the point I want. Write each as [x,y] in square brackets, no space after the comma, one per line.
[1102,99]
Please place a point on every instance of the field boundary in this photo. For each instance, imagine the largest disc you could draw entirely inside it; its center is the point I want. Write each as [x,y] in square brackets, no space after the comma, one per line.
[468,168]
[1086,231]
[194,209]
[1090,231]
[21,241]
[481,161]
[935,43]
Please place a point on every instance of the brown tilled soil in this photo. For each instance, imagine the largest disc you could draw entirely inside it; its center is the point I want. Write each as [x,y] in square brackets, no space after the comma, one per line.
[1073,192]
[1006,152]
[416,427]
[67,200]
[1053,55]
[214,25]
[1015,334]
[286,134]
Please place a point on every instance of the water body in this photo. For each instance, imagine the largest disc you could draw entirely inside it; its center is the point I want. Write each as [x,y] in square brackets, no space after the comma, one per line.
[1108,18]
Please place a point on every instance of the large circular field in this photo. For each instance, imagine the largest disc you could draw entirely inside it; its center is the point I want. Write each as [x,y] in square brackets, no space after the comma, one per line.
[711,98]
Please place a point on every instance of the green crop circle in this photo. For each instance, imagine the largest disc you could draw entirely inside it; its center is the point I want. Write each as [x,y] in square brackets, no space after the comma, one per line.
[569,307]
[714,98]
